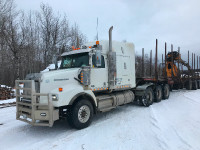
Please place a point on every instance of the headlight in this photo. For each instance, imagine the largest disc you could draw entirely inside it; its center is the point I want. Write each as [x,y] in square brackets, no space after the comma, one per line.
[55,97]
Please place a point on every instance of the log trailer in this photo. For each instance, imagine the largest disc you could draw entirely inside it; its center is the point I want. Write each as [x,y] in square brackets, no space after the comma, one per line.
[98,77]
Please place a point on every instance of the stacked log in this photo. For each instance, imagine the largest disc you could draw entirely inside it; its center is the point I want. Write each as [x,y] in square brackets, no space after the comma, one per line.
[6,92]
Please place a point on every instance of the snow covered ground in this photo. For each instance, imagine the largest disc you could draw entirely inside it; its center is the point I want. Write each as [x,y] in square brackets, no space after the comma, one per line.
[172,124]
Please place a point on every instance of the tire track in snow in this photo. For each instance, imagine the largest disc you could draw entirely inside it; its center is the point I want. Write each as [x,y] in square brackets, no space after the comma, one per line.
[155,122]
[185,95]
[181,139]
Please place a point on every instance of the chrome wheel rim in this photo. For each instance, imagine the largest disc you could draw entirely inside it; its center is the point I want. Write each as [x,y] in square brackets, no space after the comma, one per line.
[147,99]
[84,114]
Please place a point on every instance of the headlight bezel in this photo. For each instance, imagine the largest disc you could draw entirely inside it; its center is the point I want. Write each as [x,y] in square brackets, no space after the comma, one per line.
[54,97]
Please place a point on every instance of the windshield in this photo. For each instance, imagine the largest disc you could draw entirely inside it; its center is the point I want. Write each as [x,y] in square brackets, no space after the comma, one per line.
[75,61]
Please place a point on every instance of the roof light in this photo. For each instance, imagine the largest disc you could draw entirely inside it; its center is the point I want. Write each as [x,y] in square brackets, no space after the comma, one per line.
[73,47]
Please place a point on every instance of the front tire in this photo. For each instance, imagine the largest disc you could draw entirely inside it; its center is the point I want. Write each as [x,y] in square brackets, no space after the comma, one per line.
[82,114]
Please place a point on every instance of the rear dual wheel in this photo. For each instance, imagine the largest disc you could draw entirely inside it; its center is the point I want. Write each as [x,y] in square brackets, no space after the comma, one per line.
[194,85]
[161,92]
[189,85]
[148,97]
[165,91]
[198,83]
[158,93]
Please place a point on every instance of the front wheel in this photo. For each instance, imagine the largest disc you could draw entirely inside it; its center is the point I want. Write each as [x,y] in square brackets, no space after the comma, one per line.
[82,113]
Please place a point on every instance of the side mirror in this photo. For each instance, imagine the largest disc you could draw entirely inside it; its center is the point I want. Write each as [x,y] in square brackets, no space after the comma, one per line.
[98,58]
[85,75]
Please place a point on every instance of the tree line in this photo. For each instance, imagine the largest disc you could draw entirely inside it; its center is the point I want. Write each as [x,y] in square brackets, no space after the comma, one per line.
[29,41]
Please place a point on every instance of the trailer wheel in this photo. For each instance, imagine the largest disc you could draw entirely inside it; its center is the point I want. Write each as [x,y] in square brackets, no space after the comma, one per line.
[198,81]
[158,94]
[170,88]
[176,86]
[82,113]
[148,97]
[166,91]
[194,85]
[189,85]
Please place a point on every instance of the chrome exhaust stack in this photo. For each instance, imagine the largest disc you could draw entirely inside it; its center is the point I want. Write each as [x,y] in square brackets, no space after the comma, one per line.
[110,39]
[112,63]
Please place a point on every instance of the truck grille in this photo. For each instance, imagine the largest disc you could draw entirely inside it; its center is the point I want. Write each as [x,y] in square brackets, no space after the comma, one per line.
[29,109]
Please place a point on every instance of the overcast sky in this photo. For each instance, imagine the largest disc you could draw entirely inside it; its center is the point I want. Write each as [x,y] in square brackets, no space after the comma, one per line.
[139,21]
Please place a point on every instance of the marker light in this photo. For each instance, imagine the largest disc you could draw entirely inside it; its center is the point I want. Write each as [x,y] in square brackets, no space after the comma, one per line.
[60,89]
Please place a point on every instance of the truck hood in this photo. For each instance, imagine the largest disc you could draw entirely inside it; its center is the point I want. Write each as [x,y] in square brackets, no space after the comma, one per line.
[57,79]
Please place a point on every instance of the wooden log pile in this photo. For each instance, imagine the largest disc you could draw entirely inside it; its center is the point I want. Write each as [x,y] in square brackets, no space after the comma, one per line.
[6,92]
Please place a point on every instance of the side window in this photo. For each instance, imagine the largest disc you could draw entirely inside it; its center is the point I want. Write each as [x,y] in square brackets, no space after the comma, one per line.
[102,62]
[67,62]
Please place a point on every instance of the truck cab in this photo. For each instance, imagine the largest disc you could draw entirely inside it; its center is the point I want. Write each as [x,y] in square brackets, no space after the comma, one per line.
[95,78]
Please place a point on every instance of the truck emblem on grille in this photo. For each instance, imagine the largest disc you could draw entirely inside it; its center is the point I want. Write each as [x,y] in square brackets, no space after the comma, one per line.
[61,79]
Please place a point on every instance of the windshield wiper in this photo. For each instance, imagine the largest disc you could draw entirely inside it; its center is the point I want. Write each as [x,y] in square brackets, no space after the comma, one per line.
[77,80]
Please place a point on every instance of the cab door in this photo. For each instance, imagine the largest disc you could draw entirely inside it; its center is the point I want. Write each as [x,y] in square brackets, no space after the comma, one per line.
[99,74]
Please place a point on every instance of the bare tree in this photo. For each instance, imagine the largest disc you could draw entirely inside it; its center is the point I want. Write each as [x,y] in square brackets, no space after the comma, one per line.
[28,42]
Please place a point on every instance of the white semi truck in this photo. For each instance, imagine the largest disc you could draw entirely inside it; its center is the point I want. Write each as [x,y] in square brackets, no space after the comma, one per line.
[96,78]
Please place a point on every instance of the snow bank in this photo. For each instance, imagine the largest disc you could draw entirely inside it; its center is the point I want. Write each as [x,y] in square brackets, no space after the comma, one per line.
[7,101]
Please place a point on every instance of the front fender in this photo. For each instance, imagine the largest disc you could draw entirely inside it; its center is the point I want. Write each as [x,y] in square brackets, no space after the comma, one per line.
[69,93]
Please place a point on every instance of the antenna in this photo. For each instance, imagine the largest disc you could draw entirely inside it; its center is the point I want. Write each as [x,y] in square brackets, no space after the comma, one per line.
[97,29]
